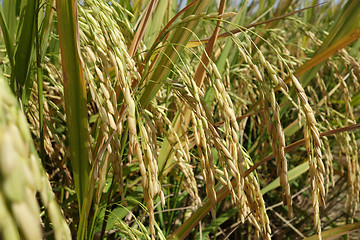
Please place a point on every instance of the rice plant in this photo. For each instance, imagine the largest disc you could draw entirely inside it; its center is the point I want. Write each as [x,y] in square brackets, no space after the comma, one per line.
[160,119]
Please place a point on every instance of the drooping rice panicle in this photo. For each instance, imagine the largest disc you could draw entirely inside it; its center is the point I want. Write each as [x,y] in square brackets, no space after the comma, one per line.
[278,148]
[240,160]
[313,147]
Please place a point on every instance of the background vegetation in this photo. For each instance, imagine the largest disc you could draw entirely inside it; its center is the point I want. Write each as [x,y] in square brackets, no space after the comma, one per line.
[158,119]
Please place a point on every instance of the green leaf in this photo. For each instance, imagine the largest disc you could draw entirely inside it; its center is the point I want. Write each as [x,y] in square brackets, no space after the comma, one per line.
[292,174]
[75,103]
[25,44]
[337,232]
[7,38]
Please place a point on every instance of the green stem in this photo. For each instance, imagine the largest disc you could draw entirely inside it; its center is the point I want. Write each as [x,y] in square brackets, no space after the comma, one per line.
[40,84]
